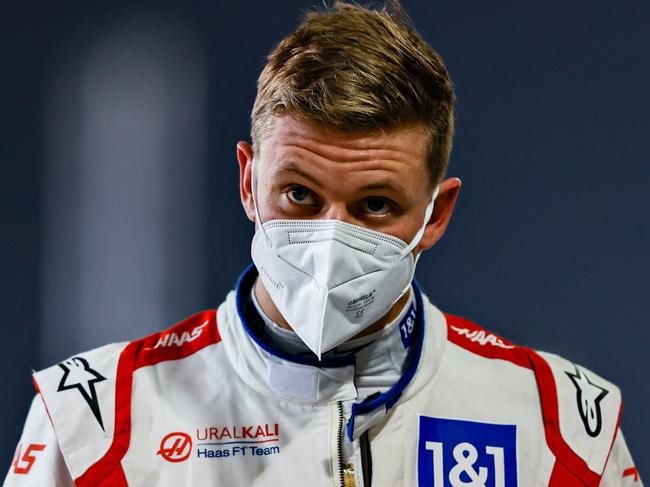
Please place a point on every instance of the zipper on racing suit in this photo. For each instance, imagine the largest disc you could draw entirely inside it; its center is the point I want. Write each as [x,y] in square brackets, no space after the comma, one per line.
[346,471]
[339,448]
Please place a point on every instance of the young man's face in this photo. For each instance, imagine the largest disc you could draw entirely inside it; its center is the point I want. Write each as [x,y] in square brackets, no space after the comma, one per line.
[378,181]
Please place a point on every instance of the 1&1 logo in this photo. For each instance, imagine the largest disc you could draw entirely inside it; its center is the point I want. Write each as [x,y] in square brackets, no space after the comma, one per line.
[455,453]
[175,447]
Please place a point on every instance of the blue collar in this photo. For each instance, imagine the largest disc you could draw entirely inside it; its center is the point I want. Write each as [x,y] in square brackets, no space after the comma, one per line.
[254,326]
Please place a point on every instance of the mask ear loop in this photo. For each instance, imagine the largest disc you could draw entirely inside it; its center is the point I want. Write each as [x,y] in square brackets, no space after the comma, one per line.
[269,243]
[416,240]
[418,236]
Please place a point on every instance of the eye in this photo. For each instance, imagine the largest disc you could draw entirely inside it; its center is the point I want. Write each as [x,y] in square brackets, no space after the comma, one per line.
[301,196]
[376,206]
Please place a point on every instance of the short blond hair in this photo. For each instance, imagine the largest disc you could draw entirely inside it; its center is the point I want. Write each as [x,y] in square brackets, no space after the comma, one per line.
[352,69]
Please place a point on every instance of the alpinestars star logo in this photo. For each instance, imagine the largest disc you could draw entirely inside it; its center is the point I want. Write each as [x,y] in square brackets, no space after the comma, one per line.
[77,374]
[588,396]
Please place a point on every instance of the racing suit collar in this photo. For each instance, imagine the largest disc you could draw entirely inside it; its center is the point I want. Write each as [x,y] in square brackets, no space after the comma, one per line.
[254,325]
[302,377]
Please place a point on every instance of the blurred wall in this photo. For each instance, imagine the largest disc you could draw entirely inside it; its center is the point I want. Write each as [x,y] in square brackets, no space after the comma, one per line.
[125,159]
[121,212]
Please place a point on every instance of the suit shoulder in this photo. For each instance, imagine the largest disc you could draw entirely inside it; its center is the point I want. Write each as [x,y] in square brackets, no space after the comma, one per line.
[583,408]
[580,410]
[88,393]
[99,364]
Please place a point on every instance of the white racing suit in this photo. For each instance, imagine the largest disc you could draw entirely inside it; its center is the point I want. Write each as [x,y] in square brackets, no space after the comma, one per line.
[208,403]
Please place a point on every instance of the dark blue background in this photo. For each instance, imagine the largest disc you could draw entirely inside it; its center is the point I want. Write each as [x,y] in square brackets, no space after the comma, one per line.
[549,243]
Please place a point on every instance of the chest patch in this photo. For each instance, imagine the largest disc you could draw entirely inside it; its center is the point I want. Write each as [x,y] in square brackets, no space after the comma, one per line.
[455,453]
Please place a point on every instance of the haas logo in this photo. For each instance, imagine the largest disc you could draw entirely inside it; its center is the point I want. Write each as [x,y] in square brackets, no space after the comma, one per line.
[481,337]
[175,447]
[179,339]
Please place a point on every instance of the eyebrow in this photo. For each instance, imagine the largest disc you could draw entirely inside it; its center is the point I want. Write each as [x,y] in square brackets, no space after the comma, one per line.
[386,184]
[293,167]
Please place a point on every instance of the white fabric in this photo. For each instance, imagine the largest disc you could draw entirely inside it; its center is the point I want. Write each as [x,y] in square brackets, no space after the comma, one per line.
[38,467]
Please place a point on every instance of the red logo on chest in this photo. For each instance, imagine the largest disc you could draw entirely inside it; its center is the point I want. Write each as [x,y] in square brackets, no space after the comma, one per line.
[175,447]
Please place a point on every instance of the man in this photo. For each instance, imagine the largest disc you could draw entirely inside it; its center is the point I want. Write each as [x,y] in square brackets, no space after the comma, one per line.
[327,365]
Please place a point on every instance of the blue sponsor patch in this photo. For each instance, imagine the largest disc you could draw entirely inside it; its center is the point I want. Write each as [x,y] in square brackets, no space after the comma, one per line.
[407,326]
[454,453]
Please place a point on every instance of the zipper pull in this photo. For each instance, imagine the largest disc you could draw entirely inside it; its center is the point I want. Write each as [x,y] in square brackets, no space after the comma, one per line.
[348,475]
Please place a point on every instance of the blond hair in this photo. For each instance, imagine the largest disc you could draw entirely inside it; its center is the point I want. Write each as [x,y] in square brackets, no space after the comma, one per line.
[352,69]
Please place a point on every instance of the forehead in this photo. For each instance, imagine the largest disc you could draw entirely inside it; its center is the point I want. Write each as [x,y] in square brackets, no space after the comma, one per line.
[401,150]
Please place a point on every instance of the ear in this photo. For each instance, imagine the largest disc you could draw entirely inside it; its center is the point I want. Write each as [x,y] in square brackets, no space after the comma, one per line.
[245,158]
[442,210]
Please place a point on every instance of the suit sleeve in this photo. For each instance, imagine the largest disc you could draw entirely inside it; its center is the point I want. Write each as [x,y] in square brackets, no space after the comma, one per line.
[38,461]
[620,470]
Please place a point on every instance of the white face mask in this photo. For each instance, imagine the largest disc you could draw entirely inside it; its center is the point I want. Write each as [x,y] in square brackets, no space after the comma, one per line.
[330,279]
